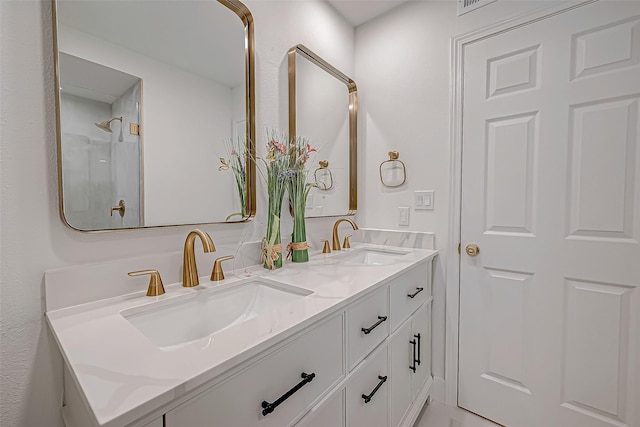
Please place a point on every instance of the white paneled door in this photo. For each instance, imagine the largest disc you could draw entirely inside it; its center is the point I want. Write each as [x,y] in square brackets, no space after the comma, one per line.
[550,306]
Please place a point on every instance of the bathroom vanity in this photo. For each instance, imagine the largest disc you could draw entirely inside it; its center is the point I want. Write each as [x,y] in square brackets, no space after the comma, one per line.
[343,340]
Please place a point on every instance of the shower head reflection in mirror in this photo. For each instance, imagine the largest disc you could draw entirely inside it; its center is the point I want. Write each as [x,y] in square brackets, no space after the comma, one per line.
[106,126]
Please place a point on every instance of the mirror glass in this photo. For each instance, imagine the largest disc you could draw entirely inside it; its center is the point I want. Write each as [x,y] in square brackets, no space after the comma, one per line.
[323,108]
[155,113]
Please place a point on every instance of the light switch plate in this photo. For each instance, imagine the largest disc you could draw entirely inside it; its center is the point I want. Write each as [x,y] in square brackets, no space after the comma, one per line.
[423,200]
[403,215]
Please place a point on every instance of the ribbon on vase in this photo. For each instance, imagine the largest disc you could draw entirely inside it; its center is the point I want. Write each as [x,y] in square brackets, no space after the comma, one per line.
[299,246]
[272,250]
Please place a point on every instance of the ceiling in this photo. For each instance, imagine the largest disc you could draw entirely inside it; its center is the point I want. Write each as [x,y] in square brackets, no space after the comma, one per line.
[357,12]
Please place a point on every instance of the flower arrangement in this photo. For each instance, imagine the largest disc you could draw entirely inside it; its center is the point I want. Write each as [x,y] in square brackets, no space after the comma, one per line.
[274,170]
[283,169]
[237,156]
[298,187]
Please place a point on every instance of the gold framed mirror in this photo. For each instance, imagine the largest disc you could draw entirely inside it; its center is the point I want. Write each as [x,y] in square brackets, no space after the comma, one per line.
[151,133]
[323,107]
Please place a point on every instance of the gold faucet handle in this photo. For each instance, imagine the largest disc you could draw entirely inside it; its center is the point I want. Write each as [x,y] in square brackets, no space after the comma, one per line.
[155,281]
[217,274]
[326,249]
[346,244]
[121,208]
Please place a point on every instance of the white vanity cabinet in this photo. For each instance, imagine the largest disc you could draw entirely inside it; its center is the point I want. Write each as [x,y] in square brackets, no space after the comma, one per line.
[275,391]
[364,364]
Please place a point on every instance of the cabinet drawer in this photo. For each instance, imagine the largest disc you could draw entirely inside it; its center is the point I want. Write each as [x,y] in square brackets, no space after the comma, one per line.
[371,381]
[408,292]
[329,414]
[238,402]
[367,325]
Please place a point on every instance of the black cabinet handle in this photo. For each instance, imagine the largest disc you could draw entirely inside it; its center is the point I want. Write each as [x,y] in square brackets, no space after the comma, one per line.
[418,336]
[366,398]
[413,368]
[270,407]
[416,293]
[380,320]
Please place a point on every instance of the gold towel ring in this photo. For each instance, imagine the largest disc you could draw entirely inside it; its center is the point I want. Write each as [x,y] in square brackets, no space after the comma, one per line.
[393,163]
[324,168]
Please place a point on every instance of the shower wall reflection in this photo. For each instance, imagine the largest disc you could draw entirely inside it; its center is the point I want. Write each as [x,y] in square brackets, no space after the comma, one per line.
[100,167]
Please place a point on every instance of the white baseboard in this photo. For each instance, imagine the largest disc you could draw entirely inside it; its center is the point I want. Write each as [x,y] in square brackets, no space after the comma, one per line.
[438,391]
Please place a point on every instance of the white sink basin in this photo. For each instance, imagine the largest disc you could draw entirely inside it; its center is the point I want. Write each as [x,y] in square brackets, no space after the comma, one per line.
[372,257]
[172,323]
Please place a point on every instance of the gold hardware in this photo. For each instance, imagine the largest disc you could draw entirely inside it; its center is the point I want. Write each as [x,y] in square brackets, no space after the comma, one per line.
[326,249]
[472,249]
[189,268]
[217,274]
[321,184]
[352,89]
[393,158]
[120,208]
[458,248]
[134,128]
[336,240]
[346,244]
[155,281]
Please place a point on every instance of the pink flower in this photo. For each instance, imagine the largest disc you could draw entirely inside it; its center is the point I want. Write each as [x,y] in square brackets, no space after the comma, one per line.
[280,147]
[310,149]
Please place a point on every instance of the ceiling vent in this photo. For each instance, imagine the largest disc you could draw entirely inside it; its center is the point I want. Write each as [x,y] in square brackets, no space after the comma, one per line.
[466,6]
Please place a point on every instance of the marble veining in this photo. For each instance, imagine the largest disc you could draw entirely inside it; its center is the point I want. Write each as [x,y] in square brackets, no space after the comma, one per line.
[403,239]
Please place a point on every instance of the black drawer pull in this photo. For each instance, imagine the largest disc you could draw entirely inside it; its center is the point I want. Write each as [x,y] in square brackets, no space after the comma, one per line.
[413,368]
[380,320]
[270,407]
[366,398]
[416,293]
[418,360]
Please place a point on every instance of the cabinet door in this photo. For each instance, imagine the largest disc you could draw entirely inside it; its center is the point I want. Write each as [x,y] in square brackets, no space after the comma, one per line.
[238,402]
[421,333]
[401,361]
[368,381]
[329,414]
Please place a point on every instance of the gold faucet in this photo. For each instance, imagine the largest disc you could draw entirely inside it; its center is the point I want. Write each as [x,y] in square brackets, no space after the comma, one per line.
[336,239]
[189,269]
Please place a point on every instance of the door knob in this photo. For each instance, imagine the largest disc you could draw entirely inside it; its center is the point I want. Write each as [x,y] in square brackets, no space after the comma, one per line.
[472,249]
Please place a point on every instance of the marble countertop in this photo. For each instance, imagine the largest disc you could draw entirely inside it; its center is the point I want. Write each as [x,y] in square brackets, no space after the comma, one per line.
[124,376]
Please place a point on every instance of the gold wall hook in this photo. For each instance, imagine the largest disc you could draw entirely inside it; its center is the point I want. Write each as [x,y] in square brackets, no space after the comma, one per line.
[156,287]
[217,274]
[189,268]
[326,249]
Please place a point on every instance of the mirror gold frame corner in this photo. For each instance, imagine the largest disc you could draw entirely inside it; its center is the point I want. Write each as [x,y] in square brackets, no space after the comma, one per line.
[243,12]
[309,55]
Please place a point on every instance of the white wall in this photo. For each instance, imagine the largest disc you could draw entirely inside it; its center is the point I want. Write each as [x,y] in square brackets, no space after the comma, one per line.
[403,75]
[34,239]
